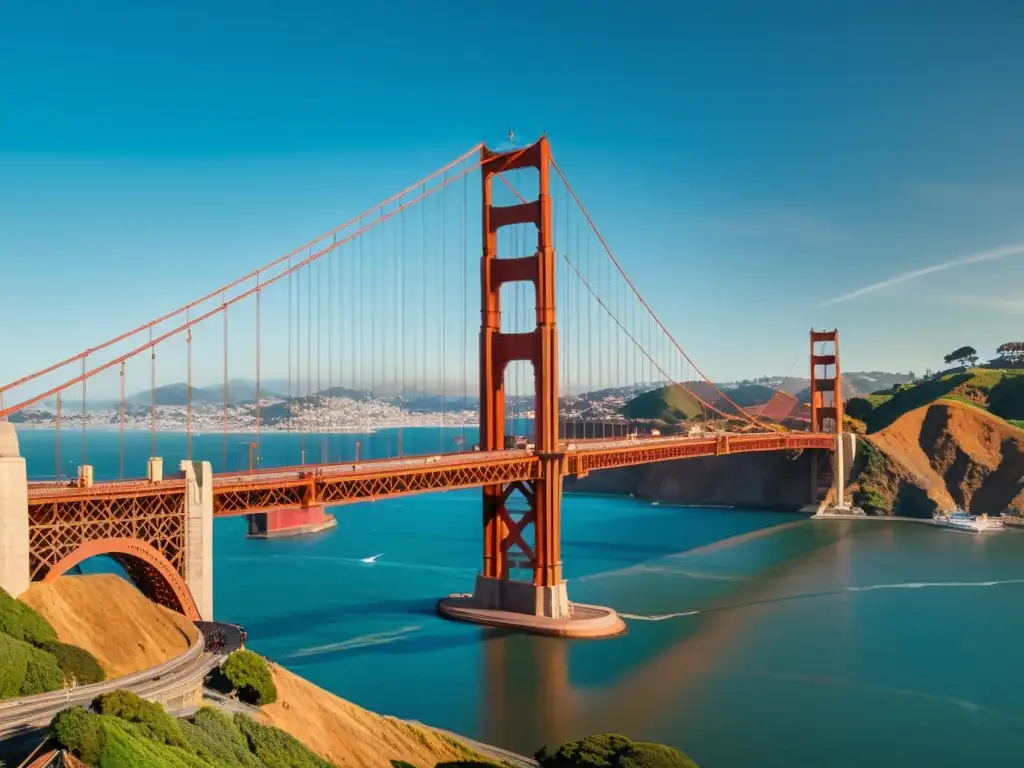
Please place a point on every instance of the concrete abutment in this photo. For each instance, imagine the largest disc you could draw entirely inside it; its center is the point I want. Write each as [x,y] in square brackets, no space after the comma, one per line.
[14,561]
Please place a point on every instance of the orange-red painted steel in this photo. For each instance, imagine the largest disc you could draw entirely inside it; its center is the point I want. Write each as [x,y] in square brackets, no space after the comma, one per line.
[543,494]
[826,386]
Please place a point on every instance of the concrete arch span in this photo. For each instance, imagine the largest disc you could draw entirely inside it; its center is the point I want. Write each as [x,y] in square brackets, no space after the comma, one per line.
[148,569]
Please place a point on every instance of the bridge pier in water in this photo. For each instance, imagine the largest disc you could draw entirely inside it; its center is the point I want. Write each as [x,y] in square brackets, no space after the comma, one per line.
[294,521]
[540,605]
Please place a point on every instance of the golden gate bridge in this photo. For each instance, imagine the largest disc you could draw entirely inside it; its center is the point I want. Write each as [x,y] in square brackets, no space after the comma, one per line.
[385,301]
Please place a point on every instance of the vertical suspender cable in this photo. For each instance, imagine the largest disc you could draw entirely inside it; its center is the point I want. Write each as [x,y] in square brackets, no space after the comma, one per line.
[152,396]
[84,461]
[122,422]
[188,392]
[59,399]
[259,393]
[443,368]
[465,299]
[224,436]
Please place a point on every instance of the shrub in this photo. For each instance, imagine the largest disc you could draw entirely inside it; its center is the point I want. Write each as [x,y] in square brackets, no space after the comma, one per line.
[77,664]
[609,750]
[79,731]
[13,664]
[404,764]
[42,673]
[248,674]
[153,720]
[859,408]
[22,623]
[217,740]
[25,670]
[273,746]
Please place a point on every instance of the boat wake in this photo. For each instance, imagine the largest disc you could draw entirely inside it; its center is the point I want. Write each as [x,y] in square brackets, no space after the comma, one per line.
[934,584]
[657,617]
[363,641]
[371,558]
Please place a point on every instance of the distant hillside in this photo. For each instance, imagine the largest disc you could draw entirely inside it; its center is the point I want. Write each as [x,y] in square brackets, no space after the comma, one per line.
[177,394]
[747,395]
[671,404]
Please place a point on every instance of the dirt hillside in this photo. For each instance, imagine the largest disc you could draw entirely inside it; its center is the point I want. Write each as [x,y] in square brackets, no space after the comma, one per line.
[111,619]
[349,735]
[943,455]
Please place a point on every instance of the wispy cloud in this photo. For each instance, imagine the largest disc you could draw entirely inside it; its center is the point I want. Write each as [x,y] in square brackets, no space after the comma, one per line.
[993,255]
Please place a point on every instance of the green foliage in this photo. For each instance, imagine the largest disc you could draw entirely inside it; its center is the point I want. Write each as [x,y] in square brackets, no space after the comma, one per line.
[80,732]
[859,408]
[154,722]
[962,355]
[274,747]
[132,733]
[13,664]
[216,739]
[403,764]
[22,623]
[77,664]
[670,404]
[25,670]
[609,750]
[126,746]
[42,674]
[248,674]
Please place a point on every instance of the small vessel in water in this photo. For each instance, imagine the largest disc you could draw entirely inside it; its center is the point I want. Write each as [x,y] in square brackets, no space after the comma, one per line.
[962,521]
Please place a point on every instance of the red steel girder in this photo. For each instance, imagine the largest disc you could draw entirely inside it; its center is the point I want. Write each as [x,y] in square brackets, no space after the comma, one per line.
[588,460]
[244,496]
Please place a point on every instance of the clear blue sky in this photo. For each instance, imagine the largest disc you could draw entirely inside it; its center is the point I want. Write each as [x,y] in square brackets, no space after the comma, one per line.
[749,162]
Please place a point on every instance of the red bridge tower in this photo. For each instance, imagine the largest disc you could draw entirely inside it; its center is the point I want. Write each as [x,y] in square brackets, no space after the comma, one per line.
[505,543]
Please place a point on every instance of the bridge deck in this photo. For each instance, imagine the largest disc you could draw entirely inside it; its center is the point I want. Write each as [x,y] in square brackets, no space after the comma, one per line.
[340,483]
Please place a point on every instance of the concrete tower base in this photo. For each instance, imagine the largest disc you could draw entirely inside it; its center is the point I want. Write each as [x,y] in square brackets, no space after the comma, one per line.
[297,521]
[14,567]
[526,607]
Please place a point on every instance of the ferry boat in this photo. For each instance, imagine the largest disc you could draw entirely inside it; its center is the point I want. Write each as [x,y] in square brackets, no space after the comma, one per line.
[962,521]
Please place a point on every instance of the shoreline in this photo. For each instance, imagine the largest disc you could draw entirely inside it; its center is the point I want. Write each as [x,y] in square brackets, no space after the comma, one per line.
[348,430]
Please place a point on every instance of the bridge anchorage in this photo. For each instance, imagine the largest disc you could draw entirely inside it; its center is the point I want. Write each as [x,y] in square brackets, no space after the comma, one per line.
[160,529]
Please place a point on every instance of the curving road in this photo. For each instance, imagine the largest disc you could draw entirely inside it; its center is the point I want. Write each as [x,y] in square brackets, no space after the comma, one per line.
[26,718]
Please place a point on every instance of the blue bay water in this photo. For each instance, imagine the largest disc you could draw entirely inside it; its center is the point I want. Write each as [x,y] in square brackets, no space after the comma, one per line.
[755,638]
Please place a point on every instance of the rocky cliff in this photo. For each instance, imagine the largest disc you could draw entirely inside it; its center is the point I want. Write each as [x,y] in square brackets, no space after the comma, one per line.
[943,455]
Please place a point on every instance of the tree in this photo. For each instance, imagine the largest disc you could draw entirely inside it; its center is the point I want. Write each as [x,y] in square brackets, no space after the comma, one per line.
[962,355]
[1012,350]
[609,750]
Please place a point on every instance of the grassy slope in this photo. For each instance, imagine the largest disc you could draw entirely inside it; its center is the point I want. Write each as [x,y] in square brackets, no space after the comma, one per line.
[999,391]
[111,619]
[671,404]
[349,735]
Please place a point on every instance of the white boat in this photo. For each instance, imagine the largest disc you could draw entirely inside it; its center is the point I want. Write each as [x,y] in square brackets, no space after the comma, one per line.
[962,521]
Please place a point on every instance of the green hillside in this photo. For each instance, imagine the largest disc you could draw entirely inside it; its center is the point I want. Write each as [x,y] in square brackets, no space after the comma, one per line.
[671,404]
[32,660]
[999,391]
[747,395]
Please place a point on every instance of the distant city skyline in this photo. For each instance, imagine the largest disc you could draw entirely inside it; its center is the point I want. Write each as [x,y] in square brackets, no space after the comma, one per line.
[758,171]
